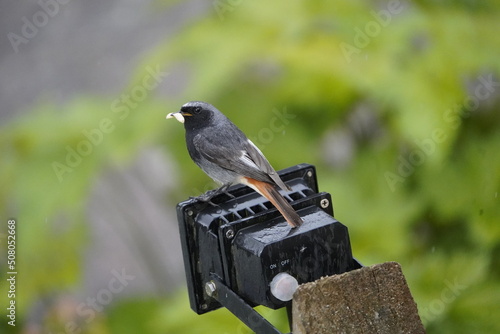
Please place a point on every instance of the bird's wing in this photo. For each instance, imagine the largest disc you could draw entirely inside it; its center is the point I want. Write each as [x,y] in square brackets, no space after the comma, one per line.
[257,157]
[243,158]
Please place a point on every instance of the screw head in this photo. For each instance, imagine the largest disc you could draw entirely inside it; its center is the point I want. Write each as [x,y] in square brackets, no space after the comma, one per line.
[230,234]
[310,173]
[190,212]
[210,288]
[324,203]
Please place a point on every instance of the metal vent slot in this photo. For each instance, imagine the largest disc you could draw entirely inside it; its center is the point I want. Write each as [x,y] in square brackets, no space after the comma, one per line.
[268,205]
[232,216]
[258,208]
[296,196]
[307,192]
[247,212]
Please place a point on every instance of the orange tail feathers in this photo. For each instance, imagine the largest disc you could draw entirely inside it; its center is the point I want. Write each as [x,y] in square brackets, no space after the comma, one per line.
[269,191]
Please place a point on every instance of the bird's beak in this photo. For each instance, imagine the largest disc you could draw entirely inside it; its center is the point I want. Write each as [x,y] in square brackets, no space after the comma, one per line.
[178,115]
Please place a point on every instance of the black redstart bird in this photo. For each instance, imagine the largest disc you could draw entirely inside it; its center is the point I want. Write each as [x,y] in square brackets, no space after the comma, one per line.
[225,154]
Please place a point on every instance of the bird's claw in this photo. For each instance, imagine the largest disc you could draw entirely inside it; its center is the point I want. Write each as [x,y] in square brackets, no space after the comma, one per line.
[207,197]
[204,199]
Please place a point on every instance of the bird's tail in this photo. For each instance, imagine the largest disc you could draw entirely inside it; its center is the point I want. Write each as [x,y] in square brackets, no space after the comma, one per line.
[271,193]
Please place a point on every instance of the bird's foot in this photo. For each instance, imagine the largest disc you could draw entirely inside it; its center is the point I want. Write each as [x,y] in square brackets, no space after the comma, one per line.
[203,201]
[209,195]
[223,190]
[205,198]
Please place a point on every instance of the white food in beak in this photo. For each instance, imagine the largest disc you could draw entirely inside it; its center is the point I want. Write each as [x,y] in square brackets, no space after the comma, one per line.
[177,115]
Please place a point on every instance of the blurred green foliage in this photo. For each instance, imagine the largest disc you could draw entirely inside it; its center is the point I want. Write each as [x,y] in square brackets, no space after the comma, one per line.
[423,192]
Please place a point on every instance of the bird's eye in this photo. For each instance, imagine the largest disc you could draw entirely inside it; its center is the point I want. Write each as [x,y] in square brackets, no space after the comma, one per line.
[197,110]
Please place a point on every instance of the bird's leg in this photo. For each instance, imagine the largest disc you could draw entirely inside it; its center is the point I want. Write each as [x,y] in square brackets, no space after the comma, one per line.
[223,190]
[204,200]
[207,197]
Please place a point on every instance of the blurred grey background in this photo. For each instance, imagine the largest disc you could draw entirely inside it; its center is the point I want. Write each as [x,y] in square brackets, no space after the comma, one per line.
[91,47]
[87,46]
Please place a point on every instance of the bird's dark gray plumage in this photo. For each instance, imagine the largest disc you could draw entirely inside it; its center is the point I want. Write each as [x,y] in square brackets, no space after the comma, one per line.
[225,154]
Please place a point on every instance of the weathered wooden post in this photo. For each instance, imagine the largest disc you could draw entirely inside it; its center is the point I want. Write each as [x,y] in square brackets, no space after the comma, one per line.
[369,300]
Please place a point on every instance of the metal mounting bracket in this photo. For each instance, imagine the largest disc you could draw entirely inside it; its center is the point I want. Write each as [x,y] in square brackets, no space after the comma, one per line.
[230,300]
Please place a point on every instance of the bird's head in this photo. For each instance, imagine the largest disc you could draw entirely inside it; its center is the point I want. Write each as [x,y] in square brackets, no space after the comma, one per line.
[195,114]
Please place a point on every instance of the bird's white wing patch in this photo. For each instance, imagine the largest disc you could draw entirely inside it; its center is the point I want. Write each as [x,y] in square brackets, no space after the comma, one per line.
[260,160]
[245,158]
[262,164]
[254,146]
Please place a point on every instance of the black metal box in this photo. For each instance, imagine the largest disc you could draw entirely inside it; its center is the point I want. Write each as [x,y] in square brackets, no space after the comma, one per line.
[245,242]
